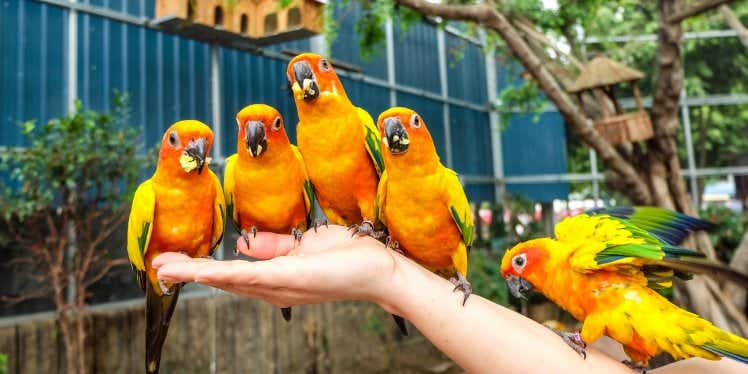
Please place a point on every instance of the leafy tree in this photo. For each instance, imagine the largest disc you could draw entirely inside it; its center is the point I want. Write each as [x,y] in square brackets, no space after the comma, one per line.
[64,198]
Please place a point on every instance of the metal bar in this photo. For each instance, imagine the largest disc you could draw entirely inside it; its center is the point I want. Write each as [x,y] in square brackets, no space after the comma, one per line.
[391,79]
[441,46]
[652,37]
[73,5]
[685,113]
[495,126]
[593,171]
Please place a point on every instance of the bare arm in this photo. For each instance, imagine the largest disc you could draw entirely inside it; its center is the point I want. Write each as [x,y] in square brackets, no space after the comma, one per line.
[481,337]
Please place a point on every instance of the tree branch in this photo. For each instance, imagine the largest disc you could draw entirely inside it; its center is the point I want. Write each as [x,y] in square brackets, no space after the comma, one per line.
[735,24]
[696,10]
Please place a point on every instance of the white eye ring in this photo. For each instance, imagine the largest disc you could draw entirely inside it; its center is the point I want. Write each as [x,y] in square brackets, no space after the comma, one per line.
[415,121]
[324,65]
[276,124]
[174,139]
[519,262]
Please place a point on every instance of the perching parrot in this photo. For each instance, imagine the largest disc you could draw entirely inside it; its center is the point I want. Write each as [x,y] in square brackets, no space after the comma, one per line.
[608,267]
[180,209]
[265,182]
[340,145]
[422,202]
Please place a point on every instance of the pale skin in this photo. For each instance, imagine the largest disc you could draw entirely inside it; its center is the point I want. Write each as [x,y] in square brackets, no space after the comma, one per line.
[330,265]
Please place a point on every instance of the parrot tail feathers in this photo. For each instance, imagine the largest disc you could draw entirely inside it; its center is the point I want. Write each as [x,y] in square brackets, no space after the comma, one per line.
[158,312]
[692,265]
[733,347]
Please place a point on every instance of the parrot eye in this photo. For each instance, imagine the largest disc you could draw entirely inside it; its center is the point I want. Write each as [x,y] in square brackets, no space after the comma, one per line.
[324,65]
[415,121]
[519,262]
[173,139]
[276,124]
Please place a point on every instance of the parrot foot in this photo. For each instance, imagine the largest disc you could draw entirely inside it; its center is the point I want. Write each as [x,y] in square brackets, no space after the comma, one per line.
[573,340]
[365,228]
[635,366]
[393,245]
[164,288]
[318,223]
[296,235]
[286,312]
[461,283]
[245,236]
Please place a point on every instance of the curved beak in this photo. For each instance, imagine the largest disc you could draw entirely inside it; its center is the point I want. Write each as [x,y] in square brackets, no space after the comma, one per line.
[306,83]
[255,138]
[519,287]
[395,136]
[196,151]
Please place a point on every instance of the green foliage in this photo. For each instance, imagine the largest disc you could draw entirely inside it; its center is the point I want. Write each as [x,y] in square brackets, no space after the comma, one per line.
[485,276]
[729,232]
[87,157]
[525,98]
[3,363]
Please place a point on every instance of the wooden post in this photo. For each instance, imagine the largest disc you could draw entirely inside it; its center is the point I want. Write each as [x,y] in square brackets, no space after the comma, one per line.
[637,96]
[580,101]
[601,101]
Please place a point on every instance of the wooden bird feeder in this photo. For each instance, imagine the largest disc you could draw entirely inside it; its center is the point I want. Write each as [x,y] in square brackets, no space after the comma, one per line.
[600,76]
[240,23]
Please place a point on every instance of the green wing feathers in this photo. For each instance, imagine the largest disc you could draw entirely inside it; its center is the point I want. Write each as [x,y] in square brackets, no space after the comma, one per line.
[219,214]
[229,183]
[140,224]
[460,207]
[371,139]
[669,226]
[381,199]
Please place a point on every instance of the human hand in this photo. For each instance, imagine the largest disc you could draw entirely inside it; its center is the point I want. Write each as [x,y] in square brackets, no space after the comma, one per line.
[327,265]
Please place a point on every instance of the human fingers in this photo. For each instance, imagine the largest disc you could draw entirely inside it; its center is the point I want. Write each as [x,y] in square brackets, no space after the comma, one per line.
[265,245]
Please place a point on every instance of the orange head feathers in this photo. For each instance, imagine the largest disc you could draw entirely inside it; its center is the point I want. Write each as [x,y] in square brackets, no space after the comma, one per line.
[525,265]
[261,128]
[405,137]
[312,76]
[185,145]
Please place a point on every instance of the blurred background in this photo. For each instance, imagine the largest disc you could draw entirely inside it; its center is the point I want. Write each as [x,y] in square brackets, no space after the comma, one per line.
[88,87]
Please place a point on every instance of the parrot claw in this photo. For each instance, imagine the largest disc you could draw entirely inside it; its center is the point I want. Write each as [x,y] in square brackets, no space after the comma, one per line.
[635,366]
[393,245]
[297,234]
[318,223]
[245,236]
[164,288]
[365,228]
[461,283]
[573,340]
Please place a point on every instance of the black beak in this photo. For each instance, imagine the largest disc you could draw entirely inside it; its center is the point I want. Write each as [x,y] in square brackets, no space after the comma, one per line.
[255,138]
[306,79]
[197,149]
[395,136]
[519,287]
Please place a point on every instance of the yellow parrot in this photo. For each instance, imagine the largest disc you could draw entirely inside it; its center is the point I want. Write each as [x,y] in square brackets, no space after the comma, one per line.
[180,209]
[422,202]
[265,182]
[608,267]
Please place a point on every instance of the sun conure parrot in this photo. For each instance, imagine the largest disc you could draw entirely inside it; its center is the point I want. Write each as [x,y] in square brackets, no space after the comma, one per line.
[340,145]
[608,267]
[265,181]
[421,201]
[180,209]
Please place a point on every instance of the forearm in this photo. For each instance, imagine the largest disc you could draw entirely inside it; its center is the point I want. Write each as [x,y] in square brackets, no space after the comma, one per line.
[482,336]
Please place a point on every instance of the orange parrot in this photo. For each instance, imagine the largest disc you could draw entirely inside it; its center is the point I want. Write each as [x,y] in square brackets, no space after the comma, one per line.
[180,209]
[422,202]
[339,143]
[606,268]
[265,182]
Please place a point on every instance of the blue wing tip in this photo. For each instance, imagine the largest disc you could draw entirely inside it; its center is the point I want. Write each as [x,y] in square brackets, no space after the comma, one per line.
[724,353]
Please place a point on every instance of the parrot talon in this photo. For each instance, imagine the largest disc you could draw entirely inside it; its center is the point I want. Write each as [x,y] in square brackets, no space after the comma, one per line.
[461,283]
[253,230]
[245,236]
[297,234]
[366,228]
[635,366]
[393,245]
[318,223]
[573,340]
[164,288]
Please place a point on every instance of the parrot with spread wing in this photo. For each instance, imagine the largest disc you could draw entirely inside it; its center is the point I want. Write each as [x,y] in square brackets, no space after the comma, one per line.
[340,146]
[422,202]
[266,184]
[608,268]
[180,209]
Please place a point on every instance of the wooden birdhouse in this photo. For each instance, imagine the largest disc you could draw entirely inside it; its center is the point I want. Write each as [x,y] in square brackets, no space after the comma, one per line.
[240,22]
[601,76]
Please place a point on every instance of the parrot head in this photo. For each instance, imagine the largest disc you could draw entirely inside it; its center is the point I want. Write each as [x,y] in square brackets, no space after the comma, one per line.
[525,265]
[260,126]
[312,77]
[186,143]
[404,135]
